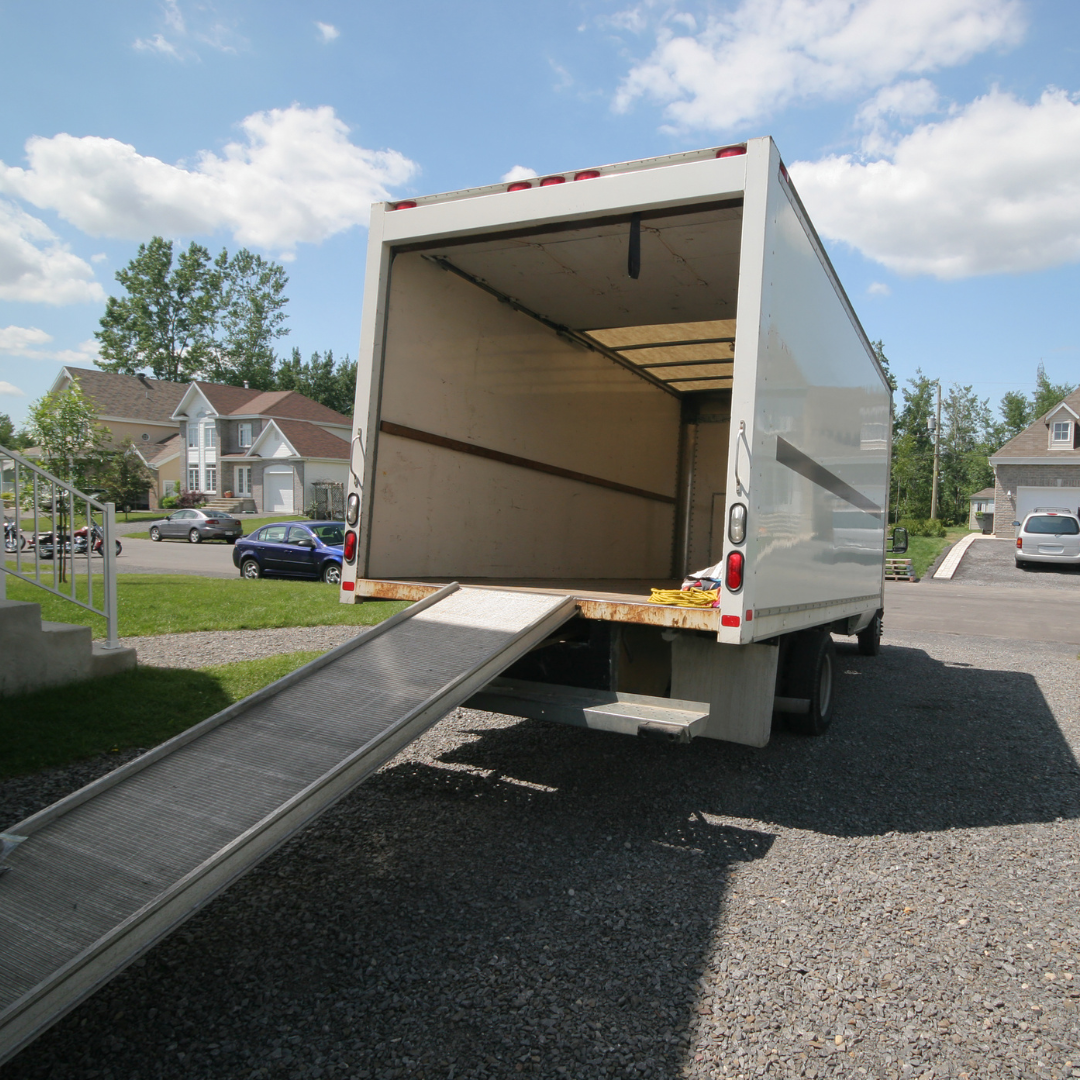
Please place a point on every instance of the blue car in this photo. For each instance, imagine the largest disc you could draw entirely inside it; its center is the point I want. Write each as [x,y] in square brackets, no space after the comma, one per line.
[289,549]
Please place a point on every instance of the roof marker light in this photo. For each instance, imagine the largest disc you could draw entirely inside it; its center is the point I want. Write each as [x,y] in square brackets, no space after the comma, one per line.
[731,151]
[783,172]
[519,185]
[588,174]
[549,180]
[408,204]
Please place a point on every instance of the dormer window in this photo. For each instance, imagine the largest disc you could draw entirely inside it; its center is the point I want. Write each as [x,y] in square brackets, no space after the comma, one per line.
[245,435]
[1061,433]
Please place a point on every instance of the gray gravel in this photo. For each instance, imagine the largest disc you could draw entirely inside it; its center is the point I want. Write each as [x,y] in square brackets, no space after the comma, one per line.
[895,899]
[993,562]
[228,646]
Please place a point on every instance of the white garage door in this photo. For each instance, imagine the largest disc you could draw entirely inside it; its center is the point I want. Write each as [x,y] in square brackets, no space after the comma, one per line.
[277,492]
[1029,499]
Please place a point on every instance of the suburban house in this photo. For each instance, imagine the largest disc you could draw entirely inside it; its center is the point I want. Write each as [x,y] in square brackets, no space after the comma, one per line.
[274,451]
[1039,467]
[138,408]
[981,510]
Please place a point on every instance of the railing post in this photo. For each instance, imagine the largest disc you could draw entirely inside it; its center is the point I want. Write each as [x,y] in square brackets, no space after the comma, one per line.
[108,556]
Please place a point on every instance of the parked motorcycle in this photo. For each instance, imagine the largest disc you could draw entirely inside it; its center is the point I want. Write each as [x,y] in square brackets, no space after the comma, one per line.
[92,536]
[13,539]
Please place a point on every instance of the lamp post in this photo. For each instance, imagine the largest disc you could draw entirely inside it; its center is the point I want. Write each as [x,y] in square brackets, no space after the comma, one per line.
[937,455]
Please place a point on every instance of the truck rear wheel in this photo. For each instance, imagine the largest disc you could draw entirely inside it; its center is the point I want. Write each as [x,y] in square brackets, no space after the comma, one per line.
[869,637]
[811,666]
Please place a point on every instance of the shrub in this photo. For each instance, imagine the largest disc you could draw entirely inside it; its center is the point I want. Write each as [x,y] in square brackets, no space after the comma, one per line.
[188,500]
[922,527]
[170,502]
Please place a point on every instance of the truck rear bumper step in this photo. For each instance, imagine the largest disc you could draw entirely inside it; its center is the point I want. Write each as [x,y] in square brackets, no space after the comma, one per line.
[602,710]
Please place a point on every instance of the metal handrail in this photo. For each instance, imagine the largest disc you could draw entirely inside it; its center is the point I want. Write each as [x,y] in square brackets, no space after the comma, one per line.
[33,481]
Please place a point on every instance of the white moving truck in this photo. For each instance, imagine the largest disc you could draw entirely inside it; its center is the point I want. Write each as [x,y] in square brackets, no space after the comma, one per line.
[596,383]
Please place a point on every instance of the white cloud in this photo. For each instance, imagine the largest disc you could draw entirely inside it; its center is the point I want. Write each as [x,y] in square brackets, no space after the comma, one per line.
[36,267]
[10,388]
[15,339]
[747,64]
[903,101]
[327,31]
[993,188]
[294,178]
[159,44]
[879,288]
[518,172]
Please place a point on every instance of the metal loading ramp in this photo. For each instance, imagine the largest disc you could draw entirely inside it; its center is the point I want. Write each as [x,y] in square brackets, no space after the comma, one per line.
[109,870]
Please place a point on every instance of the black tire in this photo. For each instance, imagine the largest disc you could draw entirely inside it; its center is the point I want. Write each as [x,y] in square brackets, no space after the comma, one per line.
[870,637]
[230,540]
[194,537]
[332,574]
[811,674]
[155,534]
[250,569]
[119,548]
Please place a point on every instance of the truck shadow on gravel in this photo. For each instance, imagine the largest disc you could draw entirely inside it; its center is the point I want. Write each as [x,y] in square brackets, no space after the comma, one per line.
[540,900]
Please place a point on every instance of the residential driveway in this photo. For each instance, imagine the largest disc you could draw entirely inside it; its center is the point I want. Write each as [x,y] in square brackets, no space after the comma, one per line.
[992,562]
[213,559]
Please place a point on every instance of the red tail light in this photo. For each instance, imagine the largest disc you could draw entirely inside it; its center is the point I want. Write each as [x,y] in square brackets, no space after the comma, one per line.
[734,570]
[519,185]
[1019,541]
[588,174]
[549,180]
[407,205]
[212,521]
[731,151]
[350,546]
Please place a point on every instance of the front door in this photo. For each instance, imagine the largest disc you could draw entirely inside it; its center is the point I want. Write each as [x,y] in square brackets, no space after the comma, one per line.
[243,481]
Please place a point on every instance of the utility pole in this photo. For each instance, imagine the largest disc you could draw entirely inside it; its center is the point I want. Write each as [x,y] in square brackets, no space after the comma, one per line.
[937,454]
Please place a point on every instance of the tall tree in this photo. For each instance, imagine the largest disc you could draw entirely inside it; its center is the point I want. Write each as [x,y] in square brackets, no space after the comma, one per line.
[1047,394]
[251,318]
[9,437]
[1016,414]
[967,440]
[202,318]
[879,351]
[125,478]
[320,379]
[913,449]
[167,321]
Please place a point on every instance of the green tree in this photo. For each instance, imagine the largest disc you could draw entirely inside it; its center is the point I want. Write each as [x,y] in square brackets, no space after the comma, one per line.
[879,351]
[125,479]
[913,449]
[967,440]
[1047,394]
[1016,415]
[72,447]
[9,437]
[321,379]
[167,321]
[202,318]
[252,317]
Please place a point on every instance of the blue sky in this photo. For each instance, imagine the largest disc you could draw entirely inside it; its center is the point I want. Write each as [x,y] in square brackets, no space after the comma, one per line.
[936,144]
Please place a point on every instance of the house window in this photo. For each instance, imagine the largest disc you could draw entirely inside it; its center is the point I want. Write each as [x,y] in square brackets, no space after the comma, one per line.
[245,436]
[210,438]
[193,478]
[1062,433]
[193,434]
[211,478]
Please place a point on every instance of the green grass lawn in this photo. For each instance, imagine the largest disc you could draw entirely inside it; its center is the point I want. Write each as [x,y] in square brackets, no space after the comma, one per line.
[45,520]
[249,524]
[142,707]
[173,603]
[923,550]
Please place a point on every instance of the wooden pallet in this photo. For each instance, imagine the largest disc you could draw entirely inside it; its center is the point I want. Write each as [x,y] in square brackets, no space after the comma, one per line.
[899,570]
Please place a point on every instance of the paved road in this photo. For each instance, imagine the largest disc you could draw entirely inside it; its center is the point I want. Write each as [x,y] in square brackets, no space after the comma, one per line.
[993,562]
[213,559]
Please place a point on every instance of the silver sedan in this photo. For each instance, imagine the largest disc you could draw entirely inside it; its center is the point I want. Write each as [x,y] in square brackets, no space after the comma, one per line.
[196,526]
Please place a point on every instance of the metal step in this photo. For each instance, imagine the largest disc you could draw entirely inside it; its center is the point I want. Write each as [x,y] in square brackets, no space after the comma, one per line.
[109,870]
[604,710]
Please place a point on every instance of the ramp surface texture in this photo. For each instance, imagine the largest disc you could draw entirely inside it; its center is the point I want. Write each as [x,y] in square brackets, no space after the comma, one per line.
[112,868]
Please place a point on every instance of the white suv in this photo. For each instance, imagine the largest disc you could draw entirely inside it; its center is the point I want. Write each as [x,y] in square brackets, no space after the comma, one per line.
[1048,535]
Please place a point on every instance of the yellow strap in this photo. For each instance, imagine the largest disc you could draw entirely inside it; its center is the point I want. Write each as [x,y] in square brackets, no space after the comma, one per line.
[685,597]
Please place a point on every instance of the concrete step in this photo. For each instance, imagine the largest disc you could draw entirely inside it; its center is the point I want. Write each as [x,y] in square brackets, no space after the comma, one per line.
[36,653]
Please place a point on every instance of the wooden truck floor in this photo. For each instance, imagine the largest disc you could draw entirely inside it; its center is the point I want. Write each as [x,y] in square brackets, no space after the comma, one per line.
[606,599]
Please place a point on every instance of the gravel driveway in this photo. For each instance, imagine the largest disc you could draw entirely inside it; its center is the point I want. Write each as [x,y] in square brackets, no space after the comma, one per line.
[993,562]
[895,899]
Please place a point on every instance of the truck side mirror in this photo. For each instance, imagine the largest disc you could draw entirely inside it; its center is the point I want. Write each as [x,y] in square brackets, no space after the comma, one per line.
[898,541]
[1017,524]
